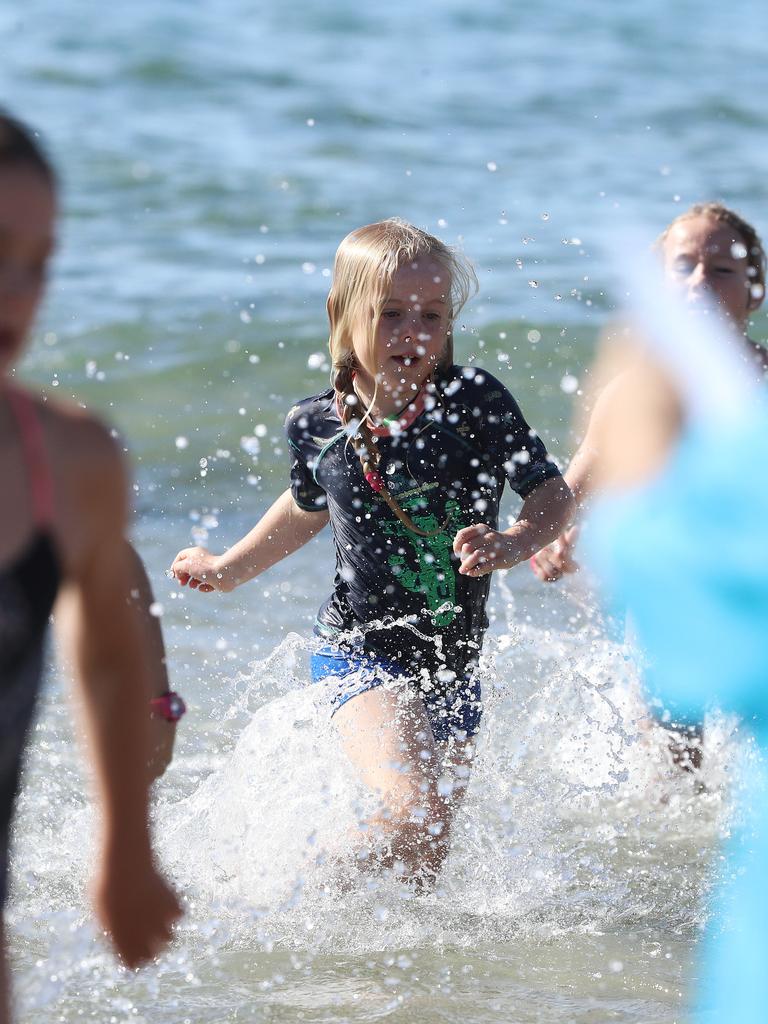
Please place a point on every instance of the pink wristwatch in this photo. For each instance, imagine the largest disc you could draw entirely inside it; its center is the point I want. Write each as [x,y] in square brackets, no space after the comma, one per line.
[168,705]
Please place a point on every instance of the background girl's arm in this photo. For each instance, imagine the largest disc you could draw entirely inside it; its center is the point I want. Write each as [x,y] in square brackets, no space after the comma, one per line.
[104,637]
[283,529]
[544,514]
[556,559]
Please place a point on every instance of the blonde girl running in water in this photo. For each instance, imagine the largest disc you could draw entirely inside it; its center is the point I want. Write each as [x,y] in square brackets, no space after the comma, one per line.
[406,455]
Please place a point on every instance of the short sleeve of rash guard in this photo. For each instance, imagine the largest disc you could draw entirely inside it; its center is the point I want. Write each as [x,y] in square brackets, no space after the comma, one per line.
[516,449]
[306,491]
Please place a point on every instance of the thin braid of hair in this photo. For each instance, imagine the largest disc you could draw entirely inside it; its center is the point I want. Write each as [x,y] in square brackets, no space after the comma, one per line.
[367,450]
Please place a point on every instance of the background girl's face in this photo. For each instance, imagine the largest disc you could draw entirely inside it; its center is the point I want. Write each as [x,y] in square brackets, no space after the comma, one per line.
[27,212]
[412,331]
[707,258]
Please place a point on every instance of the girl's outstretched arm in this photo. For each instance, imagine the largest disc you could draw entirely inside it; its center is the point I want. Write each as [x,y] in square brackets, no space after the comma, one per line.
[544,515]
[283,529]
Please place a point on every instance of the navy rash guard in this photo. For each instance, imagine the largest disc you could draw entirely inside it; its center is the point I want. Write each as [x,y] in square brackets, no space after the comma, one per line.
[402,591]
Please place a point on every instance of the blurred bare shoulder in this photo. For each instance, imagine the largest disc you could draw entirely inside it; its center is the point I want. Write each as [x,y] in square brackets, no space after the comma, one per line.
[90,479]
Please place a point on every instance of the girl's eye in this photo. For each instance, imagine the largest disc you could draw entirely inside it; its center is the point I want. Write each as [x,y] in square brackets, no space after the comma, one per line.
[391,314]
[724,270]
[432,316]
[683,267]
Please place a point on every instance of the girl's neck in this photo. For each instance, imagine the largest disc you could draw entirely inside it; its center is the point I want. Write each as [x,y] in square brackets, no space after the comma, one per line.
[388,405]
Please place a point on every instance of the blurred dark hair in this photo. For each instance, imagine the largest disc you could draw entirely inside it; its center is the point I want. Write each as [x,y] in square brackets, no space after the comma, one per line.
[19,147]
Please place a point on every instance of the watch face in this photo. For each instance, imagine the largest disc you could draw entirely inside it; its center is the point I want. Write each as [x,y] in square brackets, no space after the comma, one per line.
[176,707]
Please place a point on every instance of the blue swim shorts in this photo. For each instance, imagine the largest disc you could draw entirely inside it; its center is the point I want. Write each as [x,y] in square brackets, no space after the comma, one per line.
[454,708]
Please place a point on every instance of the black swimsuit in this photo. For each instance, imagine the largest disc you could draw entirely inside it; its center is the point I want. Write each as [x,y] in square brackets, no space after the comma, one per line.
[28,588]
[448,466]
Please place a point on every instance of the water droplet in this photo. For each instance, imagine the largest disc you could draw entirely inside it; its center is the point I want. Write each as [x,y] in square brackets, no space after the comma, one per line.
[156,609]
[308,268]
[310,122]
[534,336]
[533,284]
[316,361]
[545,216]
[250,445]
[739,251]
[492,166]
[182,443]
[569,384]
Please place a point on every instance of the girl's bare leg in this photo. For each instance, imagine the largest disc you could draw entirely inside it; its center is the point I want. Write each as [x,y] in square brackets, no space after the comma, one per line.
[387,737]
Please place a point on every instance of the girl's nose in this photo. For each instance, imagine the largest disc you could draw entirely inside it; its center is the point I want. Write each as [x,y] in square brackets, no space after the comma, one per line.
[697,279]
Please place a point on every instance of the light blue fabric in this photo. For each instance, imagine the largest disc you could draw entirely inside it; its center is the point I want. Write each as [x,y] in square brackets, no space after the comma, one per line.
[688,555]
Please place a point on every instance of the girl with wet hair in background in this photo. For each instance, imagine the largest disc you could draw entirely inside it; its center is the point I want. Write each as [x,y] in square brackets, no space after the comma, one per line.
[716,260]
[62,523]
[406,455]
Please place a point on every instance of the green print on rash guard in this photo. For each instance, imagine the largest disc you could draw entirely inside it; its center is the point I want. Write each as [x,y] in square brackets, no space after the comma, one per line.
[433,575]
[461,451]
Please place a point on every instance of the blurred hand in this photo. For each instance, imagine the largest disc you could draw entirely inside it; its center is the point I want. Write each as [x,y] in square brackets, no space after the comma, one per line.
[198,568]
[135,906]
[556,560]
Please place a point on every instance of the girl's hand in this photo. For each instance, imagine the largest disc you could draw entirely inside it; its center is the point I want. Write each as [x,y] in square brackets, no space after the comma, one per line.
[135,906]
[556,560]
[200,569]
[482,550]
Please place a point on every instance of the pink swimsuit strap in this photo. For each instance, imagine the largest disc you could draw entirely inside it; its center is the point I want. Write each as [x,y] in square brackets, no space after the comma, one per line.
[35,456]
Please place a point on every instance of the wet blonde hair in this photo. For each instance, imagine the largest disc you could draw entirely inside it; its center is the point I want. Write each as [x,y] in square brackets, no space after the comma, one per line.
[749,236]
[366,262]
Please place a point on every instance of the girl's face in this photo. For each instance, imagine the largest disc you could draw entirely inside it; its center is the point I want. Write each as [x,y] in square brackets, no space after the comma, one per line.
[412,331]
[27,213]
[707,259]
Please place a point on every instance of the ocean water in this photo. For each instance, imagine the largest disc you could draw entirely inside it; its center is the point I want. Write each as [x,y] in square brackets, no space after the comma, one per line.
[212,156]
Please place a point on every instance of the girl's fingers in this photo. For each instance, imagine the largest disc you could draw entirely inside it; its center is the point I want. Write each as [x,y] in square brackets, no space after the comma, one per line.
[206,588]
[480,556]
[537,568]
[481,568]
[468,534]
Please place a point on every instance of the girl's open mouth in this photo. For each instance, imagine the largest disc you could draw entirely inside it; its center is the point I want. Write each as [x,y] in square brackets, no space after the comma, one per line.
[406,360]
